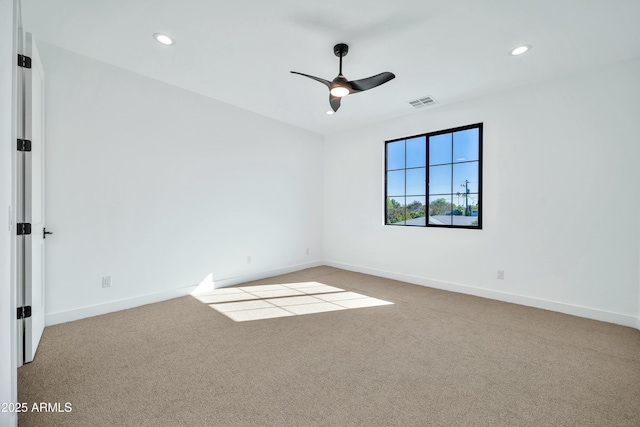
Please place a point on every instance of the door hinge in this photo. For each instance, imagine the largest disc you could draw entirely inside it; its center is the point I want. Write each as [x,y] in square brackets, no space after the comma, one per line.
[24,61]
[23,228]
[24,312]
[24,145]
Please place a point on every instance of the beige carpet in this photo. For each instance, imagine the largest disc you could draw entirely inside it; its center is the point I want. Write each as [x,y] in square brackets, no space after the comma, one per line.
[433,358]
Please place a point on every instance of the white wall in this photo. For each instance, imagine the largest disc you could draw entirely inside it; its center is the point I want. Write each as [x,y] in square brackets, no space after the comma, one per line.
[8,391]
[561,186]
[159,187]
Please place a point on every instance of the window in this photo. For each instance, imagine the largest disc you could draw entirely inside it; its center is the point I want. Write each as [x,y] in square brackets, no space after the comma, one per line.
[435,179]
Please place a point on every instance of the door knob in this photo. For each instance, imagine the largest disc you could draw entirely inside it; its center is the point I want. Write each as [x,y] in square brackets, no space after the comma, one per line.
[45,232]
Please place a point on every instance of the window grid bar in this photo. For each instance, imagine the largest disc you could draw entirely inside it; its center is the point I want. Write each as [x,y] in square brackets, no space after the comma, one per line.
[415,167]
[451,196]
[427,180]
[405,182]
[450,163]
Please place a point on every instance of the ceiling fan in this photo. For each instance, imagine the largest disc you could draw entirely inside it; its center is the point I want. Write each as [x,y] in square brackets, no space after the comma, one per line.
[340,87]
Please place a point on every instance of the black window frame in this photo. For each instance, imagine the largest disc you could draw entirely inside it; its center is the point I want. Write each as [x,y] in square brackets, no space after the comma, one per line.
[428,135]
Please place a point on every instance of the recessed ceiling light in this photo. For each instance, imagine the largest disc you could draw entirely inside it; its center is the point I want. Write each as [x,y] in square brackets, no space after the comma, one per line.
[163,39]
[520,50]
[329,112]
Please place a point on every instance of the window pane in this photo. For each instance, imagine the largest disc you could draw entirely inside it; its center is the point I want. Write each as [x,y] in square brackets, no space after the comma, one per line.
[466,145]
[465,177]
[395,155]
[416,181]
[395,183]
[395,210]
[416,211]
[465,204]
[440,209]
[440,179]
[440,149]
[465,221]
[416,152]
[459,200]
[466,213]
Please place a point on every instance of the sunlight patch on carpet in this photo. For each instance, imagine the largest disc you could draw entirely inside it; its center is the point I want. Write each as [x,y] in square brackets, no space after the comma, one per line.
[291,299]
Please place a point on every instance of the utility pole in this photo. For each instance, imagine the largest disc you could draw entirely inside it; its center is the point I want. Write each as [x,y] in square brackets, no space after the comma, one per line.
[466,197]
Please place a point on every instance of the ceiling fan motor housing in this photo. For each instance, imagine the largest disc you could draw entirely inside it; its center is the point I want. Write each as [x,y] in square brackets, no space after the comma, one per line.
[341,49]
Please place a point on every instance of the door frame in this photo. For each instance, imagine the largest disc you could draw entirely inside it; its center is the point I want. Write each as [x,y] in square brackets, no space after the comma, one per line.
[10,20]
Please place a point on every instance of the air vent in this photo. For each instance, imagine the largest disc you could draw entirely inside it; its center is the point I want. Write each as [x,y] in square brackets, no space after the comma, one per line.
[423,102]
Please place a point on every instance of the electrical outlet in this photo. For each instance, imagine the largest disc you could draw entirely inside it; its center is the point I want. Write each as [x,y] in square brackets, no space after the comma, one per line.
[307,251]
[106,281]
[249,259]
[501,274]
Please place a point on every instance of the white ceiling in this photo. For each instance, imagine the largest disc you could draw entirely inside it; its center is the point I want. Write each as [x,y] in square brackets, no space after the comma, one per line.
[241,52]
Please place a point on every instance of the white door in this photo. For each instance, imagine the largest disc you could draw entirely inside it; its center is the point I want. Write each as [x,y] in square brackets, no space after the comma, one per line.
[31,204]
[34,294]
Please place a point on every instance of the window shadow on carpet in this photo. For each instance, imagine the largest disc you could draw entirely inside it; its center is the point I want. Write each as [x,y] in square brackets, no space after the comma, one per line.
[246,303]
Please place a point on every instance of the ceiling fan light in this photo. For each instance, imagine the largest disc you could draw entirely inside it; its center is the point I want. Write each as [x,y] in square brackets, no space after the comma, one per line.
[339,91]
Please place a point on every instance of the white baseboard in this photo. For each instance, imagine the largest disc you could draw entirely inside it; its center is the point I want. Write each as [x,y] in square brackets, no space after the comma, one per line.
[230,281]
[575,310]
[111,306]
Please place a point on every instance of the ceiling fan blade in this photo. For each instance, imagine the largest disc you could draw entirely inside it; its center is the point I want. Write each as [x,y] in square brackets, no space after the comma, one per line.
[327,83]
[371,82]
[334,101]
